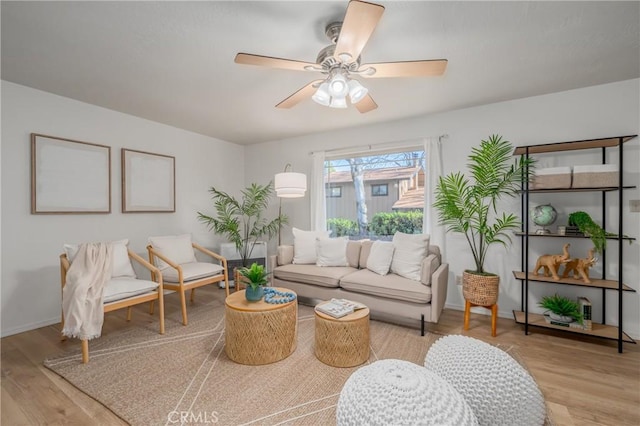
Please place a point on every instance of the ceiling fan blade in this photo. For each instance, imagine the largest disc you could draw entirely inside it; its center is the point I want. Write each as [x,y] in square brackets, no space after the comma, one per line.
[406,69]
[366,104]
[268,61]
[302,94]
[358,25]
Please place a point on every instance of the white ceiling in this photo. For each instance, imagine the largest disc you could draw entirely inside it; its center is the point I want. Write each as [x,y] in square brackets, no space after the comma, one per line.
[172,62]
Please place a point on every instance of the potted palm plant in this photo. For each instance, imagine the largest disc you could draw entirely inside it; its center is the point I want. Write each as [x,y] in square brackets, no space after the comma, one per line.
[469,207]
[242,221]
[254,278]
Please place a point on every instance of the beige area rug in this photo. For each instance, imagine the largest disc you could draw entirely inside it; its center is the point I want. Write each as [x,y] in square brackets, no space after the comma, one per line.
[149,379]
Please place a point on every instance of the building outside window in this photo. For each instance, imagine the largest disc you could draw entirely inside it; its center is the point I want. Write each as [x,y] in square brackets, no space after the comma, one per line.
[373,196]
[380,190]
[334,191]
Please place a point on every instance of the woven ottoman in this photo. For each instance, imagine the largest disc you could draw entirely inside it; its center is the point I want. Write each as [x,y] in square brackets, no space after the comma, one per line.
[498,389]
[396,392]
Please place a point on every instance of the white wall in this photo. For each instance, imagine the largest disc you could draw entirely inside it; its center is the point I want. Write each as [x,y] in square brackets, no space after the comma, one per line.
[600,111]
[31,244]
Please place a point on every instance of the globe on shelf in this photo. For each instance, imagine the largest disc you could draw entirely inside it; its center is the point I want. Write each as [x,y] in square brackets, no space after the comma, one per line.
[544,216]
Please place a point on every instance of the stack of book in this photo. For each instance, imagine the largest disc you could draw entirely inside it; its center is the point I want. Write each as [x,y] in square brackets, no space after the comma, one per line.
[573,231]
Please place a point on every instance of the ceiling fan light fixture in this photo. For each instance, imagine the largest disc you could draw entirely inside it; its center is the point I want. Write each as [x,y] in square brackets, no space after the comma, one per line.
[338,86]
[322,95]
[357,91]
[337,102]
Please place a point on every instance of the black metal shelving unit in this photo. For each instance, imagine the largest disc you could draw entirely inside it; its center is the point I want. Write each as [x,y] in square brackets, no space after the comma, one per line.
[523,316]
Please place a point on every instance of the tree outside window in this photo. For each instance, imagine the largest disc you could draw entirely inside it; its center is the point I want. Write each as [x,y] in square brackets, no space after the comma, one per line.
[365,208]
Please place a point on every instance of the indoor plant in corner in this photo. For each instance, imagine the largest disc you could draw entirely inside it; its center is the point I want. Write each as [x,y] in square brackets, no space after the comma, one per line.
[242,221]
[470,208]
[254,278]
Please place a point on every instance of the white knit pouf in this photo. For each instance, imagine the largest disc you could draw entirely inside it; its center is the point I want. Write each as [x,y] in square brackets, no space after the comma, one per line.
[499,390]
[395,392]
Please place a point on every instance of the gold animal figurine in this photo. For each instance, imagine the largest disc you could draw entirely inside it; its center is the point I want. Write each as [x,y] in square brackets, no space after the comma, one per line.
[551,262]
[580,267]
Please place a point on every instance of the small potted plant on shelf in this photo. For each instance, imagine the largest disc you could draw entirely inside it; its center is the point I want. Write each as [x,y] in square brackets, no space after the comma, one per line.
[588,227]
[254,277]
[561,309]
[471,208]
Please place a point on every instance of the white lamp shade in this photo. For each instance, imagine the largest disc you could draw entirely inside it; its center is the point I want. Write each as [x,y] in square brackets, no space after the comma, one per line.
[338,86]
[322,95]
[357,91]
[338,102]
[290,184]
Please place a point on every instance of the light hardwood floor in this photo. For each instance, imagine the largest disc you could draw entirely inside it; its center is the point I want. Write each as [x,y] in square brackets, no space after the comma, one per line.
[585,382]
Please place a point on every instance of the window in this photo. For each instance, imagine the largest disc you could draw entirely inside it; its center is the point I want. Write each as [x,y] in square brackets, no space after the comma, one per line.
[380,190]
[334,191]
[355,211]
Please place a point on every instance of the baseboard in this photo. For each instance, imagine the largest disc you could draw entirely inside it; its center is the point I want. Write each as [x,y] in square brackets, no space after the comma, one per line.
[29,327]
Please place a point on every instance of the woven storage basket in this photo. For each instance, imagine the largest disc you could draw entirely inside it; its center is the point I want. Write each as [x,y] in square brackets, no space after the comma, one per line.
[481,290]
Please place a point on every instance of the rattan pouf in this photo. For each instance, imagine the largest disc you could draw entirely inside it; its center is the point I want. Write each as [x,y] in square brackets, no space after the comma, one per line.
[342,342]
[498,389]
[396,392]
[259,333]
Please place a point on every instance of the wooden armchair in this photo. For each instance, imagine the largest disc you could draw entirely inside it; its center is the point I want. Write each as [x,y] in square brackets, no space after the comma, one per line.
[175,256]
[124,292]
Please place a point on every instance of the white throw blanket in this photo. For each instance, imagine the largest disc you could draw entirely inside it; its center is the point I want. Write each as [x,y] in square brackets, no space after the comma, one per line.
[82,294]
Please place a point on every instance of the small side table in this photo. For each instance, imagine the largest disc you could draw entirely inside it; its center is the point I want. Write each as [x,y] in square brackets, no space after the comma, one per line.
[342,342]
[259,333]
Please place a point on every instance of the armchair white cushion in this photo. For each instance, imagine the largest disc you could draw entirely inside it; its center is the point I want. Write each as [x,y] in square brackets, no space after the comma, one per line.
[192,271]
[121,264]
[124,287]
[178,248]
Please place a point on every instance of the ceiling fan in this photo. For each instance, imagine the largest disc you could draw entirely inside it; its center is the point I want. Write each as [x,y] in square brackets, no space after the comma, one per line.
[341,60]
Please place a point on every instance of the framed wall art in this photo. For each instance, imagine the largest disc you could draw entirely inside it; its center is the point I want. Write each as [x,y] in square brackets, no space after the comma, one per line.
[69,176]
[148,182]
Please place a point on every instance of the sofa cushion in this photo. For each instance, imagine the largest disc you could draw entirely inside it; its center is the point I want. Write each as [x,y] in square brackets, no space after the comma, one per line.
[365,250]
[353,253]
[380,257]
[312,274]
[332,251]
[390,286]
[410,249]
[192,271]
[304,245]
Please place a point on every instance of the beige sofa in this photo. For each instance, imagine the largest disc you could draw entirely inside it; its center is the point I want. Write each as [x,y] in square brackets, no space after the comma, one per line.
[389,297]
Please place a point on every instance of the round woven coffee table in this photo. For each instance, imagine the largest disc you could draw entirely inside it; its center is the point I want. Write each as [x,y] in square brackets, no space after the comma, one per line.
[259,333]
[342,342]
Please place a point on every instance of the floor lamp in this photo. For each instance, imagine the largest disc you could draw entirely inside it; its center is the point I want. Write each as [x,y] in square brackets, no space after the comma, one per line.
[289,184]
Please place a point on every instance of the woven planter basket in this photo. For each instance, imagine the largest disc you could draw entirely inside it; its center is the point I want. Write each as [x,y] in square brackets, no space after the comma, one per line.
[481,290]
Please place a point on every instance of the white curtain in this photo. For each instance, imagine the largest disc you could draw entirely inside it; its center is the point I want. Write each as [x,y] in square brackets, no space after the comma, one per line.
[433,153]
[318,200]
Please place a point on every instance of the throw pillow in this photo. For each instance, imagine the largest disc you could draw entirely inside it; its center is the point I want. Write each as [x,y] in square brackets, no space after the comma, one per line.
[332,251]
[380,257]
[120,262]
[176,248]
[304,245]
[410,249]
